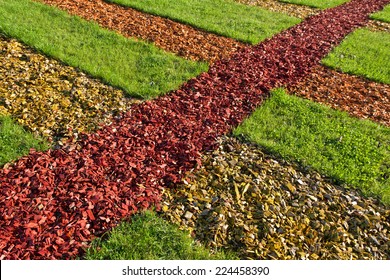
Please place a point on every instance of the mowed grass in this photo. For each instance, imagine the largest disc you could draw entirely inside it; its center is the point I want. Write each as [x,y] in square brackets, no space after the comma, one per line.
[139,68]
[224,17]
[383,15]
[351,151]
[149,237]
[321,4]
[16,142]
[365,53]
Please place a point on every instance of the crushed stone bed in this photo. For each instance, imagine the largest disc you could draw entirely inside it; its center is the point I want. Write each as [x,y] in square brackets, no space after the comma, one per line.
[54,203]
[263,207]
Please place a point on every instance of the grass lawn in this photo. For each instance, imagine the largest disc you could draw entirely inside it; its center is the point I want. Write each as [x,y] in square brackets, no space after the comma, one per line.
[322,4]
[364,53]
[149,237]
[352,151]
[15,141]
[139,68]
[383,15]
[224,17]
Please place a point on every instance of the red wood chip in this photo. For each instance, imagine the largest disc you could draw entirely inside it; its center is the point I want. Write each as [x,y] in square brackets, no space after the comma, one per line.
[123,168]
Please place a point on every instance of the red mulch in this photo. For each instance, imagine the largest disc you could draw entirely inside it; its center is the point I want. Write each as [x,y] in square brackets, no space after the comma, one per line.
[53,203]
[169,35]
[360,97]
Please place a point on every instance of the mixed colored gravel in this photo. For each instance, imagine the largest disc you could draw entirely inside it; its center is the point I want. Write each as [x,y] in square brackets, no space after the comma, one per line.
[54,203]
[169,35]
[360,97]
[263,207]
[51,99]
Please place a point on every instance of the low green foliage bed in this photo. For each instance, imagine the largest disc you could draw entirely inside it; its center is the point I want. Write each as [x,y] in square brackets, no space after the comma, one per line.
[365,53]
[352,151]
[383,15]
[139,68]
[149,237]
[15,141]
[322,4]
[248,24]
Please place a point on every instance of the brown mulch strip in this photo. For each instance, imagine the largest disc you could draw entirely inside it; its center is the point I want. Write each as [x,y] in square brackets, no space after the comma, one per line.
[54,203]
[169,35]
[298,11]
[360,97]
[376,25]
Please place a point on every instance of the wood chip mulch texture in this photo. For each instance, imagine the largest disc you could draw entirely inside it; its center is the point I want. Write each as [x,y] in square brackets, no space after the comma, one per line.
[376,25]
[169,35]
[263,207]
[51,99]
[360,97]
[54,203]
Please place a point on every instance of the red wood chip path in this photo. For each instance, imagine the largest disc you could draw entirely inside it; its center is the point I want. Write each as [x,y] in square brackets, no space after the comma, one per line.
[54,203]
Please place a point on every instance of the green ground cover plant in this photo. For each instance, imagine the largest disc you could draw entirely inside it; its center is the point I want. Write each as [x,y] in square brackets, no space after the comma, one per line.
[350,150]
[224,17]
[16,142]
[322,4]
[149,237]
[365,53]
[139,68]
[383,15]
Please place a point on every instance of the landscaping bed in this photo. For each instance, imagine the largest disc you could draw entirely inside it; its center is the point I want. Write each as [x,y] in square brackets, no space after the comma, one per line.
[51,99]
[66,197]
[171,36]
[359,97]
[264,207]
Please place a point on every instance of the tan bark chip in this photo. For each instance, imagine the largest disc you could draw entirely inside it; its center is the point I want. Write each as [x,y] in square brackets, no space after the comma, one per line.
[263,207]
[376,25]
[52,99]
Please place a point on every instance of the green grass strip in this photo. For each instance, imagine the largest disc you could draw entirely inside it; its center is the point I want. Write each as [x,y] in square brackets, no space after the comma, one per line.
[149,237]
[350,150]
[224,17]
[365,53]
[15,142]
[383,15]
[139,68]
[321,4]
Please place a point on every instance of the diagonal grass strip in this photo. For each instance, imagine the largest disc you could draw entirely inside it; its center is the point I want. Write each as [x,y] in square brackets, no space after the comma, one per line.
[383,15]
[224,17]
[174,37]
[15,141]
[149,237]
[322,4]
[352,151]
[139,68]
[364,53]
